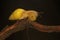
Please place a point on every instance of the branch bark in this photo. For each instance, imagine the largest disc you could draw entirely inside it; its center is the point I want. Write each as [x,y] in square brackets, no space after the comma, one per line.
[8,30]
[45,28]
[21,25]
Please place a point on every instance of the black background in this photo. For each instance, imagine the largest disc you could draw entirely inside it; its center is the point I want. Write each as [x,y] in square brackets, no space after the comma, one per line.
[50,8]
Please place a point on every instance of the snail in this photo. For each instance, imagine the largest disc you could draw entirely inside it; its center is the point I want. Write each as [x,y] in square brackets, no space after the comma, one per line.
[20,14]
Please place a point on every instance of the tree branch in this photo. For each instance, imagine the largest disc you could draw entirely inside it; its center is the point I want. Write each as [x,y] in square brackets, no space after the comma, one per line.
[45,28]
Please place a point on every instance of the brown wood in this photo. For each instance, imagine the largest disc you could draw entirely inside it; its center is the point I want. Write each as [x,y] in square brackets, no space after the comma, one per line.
[45,28]
[20,25]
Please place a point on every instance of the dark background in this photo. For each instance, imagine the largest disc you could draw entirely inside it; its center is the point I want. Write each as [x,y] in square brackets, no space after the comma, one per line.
[51,15]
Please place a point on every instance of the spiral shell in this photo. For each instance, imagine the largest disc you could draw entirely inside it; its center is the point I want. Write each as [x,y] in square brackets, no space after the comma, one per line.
[32,15]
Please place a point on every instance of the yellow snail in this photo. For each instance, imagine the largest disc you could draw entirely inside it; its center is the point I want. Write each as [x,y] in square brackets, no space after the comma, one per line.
[19,14]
